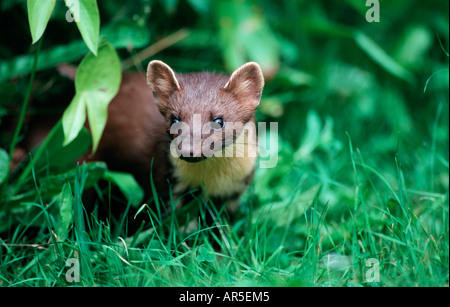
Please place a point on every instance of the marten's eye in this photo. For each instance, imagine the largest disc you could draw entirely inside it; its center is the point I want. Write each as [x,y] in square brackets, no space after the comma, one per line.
[174,120]
[218,123]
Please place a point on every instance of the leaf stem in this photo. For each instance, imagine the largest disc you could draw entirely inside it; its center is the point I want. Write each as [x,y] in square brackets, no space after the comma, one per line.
[24,104]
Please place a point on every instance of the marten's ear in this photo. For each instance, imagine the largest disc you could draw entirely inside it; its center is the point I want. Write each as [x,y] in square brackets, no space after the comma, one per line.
[247,83]
[161,79]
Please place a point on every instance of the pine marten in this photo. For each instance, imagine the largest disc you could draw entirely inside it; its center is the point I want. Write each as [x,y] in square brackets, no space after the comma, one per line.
[189,131]
[197,129]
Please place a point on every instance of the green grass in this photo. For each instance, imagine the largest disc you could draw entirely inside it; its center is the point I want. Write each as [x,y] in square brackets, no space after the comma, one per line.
[303,241]
[363,159]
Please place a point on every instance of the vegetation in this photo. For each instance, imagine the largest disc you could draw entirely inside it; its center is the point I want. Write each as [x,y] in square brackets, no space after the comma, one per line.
[360,193]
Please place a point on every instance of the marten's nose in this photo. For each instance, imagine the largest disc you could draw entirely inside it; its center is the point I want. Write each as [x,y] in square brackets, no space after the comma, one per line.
[190,151]
[186,149]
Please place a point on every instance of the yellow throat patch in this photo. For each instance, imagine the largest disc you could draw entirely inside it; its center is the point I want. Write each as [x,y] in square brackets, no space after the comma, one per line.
[220,176]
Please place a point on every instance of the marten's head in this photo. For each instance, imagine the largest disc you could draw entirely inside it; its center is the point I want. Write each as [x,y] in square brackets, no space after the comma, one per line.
[206,112]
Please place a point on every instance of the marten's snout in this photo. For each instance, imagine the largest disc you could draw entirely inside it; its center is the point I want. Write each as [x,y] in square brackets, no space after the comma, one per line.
[190,151]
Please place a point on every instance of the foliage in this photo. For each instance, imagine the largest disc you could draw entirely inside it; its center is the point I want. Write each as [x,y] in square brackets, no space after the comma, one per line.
[96,83]
[362,169]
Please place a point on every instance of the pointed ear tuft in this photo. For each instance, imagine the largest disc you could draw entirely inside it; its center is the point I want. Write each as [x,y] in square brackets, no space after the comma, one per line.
[247,82]
[161,79]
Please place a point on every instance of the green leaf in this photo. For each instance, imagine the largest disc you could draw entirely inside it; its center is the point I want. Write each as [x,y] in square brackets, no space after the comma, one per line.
[4,165]
[97,108]
[127,185]
[51,185]
[126,33]
[22,64]
[73,119]
[311,139]
[245,35]
[206,255]
[86,16]
[261,44]
[295,77]
[64,218]
[200,6]
[39,12]
[381,57]
[414,46]
[170,6]
[121,34]
[96,83]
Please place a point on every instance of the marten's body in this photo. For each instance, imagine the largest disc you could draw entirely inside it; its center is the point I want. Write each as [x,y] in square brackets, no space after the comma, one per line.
[140,118]
[147,107]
